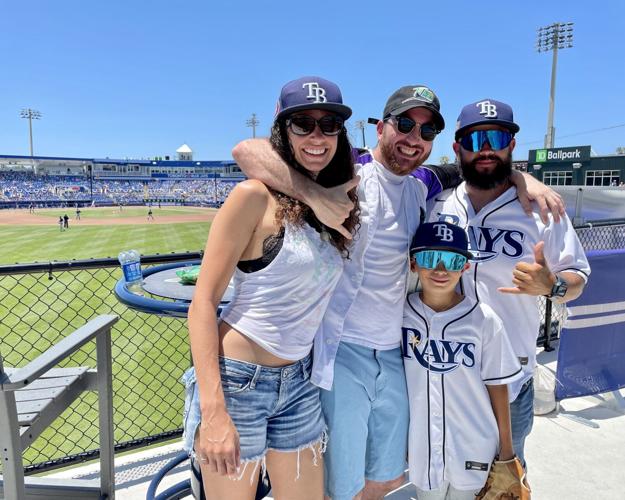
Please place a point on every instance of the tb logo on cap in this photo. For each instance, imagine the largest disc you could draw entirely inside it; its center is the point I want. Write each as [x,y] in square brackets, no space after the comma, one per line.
[315,92]
[443,233]
[487,109]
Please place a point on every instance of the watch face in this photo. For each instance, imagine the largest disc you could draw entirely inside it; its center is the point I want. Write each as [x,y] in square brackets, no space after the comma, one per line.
[559,288]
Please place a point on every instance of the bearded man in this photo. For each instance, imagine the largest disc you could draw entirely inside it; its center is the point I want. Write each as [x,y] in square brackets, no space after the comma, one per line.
[515,257]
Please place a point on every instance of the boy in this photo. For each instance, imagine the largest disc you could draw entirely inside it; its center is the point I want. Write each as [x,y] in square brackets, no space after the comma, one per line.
[457,361]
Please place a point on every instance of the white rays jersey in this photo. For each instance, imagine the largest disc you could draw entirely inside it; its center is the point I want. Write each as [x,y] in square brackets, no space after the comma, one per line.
[449,358]
[500,236]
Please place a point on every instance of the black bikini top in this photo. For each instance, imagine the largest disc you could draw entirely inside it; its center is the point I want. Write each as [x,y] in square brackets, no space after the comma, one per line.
[271,248]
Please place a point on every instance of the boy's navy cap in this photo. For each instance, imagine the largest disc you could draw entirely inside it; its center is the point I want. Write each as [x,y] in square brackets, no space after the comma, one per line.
[440,236]
[486,111]
[311,92]
[413,96]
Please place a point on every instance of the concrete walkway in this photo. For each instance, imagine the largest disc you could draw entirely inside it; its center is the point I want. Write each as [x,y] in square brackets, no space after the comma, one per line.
[574,453]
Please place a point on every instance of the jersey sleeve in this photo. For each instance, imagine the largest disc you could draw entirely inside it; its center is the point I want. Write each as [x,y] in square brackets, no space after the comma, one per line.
[499,363]
[361,156]
[563,250]
[437,178]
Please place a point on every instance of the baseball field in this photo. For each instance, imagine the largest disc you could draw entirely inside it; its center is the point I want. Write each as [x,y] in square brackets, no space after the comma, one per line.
[150,352]
[100,232]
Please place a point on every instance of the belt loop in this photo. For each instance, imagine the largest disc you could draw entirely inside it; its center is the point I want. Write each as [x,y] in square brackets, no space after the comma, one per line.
[255,377]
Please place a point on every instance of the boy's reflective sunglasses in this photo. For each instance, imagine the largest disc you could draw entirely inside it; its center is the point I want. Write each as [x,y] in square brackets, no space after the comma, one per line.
[305,124]
[430,259]
[406,125]
[474,142]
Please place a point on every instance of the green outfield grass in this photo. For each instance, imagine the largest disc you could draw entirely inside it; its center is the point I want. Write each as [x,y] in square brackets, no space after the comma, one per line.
[150,353]
[43,244]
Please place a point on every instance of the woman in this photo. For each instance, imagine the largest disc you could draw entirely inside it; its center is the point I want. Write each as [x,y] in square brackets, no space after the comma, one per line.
[253,403]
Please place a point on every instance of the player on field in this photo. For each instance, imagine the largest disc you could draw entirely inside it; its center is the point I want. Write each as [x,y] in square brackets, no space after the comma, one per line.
[357,349]
[253,402]
[515,257]
[458,361]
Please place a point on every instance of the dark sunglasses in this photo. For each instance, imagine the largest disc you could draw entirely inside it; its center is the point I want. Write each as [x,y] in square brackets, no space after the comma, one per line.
[305,124]
[430,259]
[406,125]
[497,139]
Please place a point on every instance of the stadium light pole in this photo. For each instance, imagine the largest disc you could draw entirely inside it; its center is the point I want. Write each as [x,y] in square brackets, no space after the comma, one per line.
[90,167]
[31,114]
[252,122]
[360,124]
[553,37]
[215,187]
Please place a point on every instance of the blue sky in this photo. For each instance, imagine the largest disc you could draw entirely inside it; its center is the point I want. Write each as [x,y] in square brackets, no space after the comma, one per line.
[138,78]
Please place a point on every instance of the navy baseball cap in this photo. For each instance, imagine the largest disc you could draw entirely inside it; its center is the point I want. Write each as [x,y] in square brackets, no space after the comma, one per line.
[414,96]
[486,111]
[311,92]
[440,236]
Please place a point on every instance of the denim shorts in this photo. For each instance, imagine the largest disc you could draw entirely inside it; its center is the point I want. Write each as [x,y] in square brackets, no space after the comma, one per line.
[272,408]
[367,415]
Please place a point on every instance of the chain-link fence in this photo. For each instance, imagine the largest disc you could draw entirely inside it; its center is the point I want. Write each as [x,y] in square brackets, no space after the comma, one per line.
[43,303]
[602,235]
[597,235]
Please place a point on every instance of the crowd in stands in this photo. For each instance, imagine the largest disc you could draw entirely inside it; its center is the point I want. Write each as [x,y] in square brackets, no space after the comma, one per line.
[28,187]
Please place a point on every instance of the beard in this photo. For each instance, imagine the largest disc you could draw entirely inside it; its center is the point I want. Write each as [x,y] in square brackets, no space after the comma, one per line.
[391,162]
[496,178]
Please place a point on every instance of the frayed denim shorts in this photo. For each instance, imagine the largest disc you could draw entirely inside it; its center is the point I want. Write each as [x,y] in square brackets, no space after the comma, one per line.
[272,408]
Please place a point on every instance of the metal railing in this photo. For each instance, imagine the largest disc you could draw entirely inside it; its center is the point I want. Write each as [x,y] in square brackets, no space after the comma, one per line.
[42,302]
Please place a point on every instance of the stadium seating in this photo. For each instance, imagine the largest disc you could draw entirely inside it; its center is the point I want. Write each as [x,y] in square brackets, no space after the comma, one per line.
[22,187]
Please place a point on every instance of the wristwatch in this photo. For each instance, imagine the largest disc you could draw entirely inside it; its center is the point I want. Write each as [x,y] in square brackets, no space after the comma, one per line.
[559,288]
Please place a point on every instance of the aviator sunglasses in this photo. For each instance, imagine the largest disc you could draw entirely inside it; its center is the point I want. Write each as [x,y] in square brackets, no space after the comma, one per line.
[430,259]
[305,124]
[474,142]
[406,125]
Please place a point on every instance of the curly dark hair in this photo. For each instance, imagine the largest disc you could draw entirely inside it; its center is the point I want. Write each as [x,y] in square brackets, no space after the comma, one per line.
[338,171]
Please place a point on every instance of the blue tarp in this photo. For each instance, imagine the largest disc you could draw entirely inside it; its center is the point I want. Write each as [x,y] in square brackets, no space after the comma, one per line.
[591,356]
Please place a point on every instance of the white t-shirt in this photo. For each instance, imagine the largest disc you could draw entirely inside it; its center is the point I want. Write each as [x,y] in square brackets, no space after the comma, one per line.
[374,317]
[449,358]
[367,303]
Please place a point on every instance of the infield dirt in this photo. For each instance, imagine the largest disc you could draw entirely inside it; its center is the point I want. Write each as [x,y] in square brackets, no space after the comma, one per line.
[22,217]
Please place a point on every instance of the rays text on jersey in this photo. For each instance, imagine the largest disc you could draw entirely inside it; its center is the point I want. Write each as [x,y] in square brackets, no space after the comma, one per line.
[440,356]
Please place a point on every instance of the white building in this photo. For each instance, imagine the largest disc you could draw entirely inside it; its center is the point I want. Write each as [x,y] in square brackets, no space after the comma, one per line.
[185,153]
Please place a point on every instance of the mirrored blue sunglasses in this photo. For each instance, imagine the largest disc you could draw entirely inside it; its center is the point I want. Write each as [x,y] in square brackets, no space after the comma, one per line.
[497,139]
[430,259]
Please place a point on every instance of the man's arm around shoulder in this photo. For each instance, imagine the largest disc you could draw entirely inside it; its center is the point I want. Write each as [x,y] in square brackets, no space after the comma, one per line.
[258,160]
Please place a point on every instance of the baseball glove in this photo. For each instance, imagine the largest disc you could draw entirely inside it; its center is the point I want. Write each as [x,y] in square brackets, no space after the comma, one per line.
[506,481]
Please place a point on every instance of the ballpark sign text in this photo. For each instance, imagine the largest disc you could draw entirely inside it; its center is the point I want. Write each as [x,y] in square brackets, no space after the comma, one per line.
[578,154]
